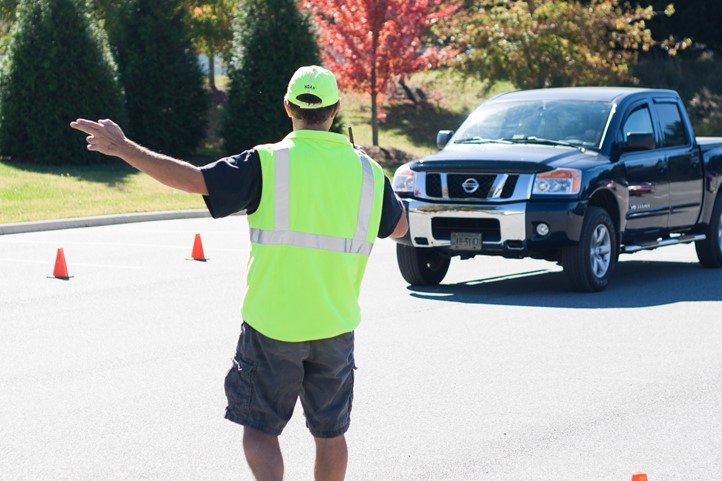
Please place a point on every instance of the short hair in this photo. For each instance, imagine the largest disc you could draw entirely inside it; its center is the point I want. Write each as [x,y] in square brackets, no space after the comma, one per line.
[312,116]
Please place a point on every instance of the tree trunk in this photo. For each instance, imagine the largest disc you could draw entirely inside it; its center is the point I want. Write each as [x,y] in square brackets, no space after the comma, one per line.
[374,110]
[374,92]
[212,72]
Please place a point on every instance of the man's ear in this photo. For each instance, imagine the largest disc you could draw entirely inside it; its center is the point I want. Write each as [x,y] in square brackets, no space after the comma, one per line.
[285,106]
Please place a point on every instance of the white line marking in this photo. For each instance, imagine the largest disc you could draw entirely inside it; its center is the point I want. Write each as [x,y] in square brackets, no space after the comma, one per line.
[110,266]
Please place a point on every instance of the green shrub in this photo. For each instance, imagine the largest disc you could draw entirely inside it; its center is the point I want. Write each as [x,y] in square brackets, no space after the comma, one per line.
[272,39]
[167,106]
[58,68]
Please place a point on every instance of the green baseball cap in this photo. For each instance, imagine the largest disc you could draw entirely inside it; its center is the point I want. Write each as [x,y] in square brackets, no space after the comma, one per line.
[312,87]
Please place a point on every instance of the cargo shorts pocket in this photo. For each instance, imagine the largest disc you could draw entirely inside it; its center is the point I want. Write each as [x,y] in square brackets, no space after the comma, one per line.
[239,389]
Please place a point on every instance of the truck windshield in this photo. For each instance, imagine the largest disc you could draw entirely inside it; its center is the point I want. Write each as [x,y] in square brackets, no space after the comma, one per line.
[561,122]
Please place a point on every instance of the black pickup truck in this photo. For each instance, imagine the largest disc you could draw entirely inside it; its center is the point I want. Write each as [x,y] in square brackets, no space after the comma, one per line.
[571,175]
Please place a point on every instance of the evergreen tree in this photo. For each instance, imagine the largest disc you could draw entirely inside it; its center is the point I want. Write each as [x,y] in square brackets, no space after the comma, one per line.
[272,39]
[58,68]
[163,80]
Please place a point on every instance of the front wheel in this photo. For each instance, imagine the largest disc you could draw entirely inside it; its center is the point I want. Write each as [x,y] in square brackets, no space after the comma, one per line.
[709,250]
[421,267]
[589,264]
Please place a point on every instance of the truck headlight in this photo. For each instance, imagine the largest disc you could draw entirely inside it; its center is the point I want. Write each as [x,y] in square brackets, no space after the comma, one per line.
[558,181]
[404,180]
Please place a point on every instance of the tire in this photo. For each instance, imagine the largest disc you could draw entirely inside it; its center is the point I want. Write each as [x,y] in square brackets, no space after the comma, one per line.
[709,250]
[589,264]
[421,267]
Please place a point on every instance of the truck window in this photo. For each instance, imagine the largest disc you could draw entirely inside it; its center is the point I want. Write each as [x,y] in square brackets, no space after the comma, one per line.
[638,122]
[674,132]
[577,122]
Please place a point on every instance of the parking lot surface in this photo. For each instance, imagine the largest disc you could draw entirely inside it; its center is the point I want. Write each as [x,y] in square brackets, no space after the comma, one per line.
[498,374]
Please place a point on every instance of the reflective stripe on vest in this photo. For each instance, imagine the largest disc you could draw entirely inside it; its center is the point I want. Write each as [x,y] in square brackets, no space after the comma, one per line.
[282,235]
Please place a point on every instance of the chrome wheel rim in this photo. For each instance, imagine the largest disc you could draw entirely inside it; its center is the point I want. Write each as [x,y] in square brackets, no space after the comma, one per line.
[600,251]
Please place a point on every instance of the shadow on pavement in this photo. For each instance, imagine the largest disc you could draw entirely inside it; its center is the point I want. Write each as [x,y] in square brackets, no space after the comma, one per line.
[634,284]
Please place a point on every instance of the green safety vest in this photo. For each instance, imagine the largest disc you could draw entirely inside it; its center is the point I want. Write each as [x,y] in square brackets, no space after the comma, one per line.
[311,236]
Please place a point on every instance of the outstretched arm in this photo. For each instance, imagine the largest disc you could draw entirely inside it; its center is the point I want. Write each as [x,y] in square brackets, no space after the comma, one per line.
[106,137]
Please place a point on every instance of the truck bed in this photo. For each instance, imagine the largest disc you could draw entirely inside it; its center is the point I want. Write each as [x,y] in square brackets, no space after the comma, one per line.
[708,143]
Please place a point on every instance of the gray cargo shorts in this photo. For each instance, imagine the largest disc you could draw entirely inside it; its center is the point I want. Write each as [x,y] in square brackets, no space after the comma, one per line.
[268,377]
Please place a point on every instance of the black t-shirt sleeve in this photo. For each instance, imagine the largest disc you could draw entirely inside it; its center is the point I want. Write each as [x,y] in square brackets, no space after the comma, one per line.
[234,184]
[391,213]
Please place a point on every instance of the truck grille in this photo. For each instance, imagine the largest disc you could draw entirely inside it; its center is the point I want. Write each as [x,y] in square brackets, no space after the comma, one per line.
[482,183]
[433,185]
[471,186]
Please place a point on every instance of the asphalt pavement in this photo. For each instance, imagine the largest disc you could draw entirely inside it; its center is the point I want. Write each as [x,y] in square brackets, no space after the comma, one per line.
[498,374]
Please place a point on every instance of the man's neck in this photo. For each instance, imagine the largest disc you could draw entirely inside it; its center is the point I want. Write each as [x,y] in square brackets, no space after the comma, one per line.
[300,125]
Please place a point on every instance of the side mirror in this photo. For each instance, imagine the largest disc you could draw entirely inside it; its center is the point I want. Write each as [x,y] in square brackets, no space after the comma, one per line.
[443,137]
[639,141]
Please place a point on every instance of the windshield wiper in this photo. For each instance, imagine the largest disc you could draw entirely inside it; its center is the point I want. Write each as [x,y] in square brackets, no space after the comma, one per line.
[537,140]
[481,140]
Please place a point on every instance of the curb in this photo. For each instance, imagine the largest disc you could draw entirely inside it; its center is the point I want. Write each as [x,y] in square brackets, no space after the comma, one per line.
[73,223]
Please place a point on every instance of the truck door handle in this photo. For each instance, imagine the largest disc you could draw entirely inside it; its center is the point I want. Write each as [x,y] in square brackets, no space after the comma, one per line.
[662,165]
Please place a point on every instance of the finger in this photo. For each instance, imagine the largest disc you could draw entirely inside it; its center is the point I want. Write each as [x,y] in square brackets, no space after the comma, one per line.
[87,123]
[86,126]
[82,128]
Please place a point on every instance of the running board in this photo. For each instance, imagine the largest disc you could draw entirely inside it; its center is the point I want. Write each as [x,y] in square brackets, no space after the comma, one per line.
[685,239]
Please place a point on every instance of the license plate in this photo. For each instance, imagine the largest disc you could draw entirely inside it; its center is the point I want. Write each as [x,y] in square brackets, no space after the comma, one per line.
[466,241]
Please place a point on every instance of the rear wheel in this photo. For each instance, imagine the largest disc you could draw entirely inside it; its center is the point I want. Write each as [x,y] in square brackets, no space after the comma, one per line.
[709,250]
[421,267]
[589,264]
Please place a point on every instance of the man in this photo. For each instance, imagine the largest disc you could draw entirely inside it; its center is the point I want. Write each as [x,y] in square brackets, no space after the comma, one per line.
[315,206]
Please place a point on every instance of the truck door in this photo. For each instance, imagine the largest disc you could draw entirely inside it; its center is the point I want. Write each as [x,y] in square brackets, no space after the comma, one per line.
[646,176]
[684,164]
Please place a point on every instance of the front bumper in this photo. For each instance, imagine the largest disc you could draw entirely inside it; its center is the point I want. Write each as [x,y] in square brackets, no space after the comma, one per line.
[506,228]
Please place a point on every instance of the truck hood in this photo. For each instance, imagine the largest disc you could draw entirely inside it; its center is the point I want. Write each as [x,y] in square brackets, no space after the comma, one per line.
[518,158]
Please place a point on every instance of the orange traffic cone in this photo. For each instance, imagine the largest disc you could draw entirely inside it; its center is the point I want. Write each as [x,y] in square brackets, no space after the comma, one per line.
[198,254]
[61,269]
[639,476]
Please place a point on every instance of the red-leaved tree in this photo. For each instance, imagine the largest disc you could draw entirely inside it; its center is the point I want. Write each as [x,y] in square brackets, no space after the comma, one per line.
[370,43]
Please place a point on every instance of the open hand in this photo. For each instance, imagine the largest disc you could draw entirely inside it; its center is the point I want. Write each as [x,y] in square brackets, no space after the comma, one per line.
[104,136]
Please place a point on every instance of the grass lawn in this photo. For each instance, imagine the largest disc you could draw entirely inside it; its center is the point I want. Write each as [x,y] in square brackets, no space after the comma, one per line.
[32,192]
